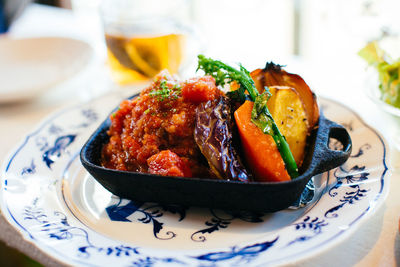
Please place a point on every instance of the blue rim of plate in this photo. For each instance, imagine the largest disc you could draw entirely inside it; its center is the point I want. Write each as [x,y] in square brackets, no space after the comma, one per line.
[235,252]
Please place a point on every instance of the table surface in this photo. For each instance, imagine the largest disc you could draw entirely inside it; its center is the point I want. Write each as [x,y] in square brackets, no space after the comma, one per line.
[375,243]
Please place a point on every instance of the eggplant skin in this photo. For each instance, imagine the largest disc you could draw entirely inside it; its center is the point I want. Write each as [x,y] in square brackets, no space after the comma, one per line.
[214,136]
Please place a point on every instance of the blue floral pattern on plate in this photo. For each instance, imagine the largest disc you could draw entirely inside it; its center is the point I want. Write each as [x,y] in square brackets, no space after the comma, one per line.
[48,196]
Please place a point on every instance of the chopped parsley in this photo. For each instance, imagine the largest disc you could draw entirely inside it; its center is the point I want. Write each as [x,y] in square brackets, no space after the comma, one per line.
[164,92]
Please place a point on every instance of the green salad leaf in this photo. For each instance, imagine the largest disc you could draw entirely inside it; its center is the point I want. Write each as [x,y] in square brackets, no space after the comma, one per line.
[388,71]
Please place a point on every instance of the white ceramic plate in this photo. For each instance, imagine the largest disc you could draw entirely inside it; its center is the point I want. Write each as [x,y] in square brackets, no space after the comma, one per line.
[30,66]
[49,197]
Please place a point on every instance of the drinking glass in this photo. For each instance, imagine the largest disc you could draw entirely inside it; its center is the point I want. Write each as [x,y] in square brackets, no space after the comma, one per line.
[144,37]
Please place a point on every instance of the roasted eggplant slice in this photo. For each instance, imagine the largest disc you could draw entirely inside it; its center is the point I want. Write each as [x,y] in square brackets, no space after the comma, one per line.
[213,134]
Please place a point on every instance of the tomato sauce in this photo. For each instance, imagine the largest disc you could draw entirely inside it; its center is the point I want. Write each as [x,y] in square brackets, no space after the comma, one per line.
[153,133]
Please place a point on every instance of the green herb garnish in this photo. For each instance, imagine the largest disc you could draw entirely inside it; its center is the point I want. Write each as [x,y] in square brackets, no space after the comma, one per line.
[165,92]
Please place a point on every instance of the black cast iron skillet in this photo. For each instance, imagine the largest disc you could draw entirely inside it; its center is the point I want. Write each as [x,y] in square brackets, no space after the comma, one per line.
[228,195]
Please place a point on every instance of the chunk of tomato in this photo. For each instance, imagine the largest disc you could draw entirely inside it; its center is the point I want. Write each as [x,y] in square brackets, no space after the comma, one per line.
[167,163]
[200,89]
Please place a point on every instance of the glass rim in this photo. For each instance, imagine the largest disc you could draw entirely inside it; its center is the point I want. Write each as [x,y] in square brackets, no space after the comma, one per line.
[130,11]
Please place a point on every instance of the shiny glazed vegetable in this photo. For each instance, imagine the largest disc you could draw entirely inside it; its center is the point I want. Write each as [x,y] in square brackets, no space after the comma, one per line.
[262,154]
[214,136]
[260,114]
[289,112]
[274,75]
[292,105]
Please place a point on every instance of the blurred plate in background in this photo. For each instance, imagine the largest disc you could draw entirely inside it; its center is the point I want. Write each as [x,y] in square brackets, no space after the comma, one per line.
[30,66]
[371,89]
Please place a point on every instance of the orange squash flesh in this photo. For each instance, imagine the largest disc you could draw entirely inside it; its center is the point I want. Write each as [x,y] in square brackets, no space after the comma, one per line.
[274,75]
[262,154]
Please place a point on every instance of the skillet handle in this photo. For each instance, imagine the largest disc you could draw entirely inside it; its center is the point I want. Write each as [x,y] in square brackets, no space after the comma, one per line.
[328,158]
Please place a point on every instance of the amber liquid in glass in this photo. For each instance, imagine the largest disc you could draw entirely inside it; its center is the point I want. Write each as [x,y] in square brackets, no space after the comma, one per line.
[139,58]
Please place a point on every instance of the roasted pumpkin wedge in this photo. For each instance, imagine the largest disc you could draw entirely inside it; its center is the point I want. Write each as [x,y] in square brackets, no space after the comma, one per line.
[289,114]
[292,105]
[274,75]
